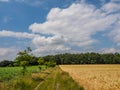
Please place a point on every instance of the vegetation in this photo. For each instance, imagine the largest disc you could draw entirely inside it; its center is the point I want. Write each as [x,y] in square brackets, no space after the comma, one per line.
[11,78]
[20,74]
[7,73]
[82,58]
[85,58]
[46,79]
[95,77]
[59,80]
[5,63]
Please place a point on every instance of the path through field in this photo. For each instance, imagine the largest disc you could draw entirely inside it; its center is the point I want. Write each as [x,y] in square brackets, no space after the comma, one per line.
[95,77]
[58,80]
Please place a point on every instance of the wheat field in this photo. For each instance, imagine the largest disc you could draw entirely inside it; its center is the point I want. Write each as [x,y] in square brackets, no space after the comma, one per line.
[95,77]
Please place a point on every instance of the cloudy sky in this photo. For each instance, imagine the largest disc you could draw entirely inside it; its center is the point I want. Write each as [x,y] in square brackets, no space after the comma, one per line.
[59,26]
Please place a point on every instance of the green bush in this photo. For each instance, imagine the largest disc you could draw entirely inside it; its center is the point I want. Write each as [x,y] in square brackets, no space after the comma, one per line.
[50,64]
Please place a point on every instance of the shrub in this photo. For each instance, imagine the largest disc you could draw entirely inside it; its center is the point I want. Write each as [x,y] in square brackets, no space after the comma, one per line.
[50,64]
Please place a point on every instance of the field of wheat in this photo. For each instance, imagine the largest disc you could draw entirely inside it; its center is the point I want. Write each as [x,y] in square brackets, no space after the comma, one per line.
[95,77]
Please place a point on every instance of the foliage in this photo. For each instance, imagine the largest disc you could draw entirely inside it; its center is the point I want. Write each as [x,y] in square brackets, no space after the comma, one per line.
[84,58]
[5,63]
[23,59]
[50,64]
[41,61]
[59,80]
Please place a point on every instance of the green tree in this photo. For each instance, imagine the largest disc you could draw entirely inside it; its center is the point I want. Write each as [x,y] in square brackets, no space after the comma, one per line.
[23,59]
[41,61]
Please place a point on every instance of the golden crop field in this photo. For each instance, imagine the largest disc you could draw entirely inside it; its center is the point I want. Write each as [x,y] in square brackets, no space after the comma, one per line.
[95,77]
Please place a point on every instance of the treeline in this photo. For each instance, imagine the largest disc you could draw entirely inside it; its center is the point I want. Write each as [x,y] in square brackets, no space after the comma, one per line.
[82,58]
[85,58]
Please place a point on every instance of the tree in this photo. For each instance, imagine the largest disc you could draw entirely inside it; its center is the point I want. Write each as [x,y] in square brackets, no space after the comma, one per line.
[5,63]
[23,59]
[50,64]
[24,56]
[41,61]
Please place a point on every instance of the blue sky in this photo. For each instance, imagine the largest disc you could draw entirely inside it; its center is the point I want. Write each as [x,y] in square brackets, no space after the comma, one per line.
[59,26]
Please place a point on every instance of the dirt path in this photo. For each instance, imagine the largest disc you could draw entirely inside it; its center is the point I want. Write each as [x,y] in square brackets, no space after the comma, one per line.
[58,80]
[52,75]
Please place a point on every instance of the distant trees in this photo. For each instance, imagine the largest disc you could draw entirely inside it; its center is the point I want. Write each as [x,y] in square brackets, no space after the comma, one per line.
[5,63]
[67,58]
[85,58]
[25,58]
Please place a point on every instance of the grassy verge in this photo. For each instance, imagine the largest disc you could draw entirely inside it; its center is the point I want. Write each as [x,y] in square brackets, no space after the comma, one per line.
[59,80]
[45,79]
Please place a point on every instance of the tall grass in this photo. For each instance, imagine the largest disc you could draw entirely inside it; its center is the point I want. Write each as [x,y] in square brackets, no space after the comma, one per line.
[11,78]
[35,79]
[59,80]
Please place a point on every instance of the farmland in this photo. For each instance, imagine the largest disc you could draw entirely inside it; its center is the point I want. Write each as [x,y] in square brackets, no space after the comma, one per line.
[62,77]
[95,77]
[7,73]
[11,78]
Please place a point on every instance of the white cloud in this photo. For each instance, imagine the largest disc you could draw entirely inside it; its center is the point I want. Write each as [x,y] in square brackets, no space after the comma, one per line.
[4,0]
[77,23]
[111,7]
[55,40]
[110,50]
[50,45]
[115,33]
[51,49]
[5,33]
[8,53]
[71,27]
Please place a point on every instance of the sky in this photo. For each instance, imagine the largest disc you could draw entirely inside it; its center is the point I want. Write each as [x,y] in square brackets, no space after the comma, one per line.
[59,26]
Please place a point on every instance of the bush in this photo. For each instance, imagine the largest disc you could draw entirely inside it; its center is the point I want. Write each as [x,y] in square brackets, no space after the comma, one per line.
[50,64]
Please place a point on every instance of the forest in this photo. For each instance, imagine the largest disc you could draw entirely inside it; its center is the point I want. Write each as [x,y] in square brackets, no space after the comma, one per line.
[85,58]
[67,58]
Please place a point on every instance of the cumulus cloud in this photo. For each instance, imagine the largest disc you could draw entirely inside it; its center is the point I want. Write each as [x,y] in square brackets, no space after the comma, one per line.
[50,45]
[8,53]
[5,33]
[51,50]
[111,7]
[55,40]
[72,27]
[77,23]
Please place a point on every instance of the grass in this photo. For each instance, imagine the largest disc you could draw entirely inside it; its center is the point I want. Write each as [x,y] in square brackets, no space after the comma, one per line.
[7,73]
[11,78]
[35,79]
[59,80]
[95,77]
